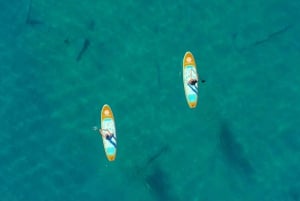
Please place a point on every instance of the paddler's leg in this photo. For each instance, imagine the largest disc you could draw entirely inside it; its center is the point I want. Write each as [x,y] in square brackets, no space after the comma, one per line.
[108,136]
[111,135]
[112,142]
[194,88]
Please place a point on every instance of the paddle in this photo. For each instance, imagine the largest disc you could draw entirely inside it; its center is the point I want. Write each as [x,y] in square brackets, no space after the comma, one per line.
[95,128]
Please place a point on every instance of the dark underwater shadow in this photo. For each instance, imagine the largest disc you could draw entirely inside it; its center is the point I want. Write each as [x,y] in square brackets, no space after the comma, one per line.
[152,176]
[158,183]
[233,152]
[152,159]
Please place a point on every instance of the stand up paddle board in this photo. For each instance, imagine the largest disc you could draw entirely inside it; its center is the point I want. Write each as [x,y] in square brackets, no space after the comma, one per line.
[108,126]
[189,75]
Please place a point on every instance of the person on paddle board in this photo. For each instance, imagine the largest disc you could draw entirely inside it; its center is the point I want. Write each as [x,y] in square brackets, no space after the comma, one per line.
[107,135]
[193,82]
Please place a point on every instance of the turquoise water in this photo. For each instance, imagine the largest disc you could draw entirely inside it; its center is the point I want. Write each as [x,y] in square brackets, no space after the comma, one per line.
[242,142]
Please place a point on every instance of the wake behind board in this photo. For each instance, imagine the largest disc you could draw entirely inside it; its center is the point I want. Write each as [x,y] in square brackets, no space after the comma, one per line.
[190,73]
[108,125]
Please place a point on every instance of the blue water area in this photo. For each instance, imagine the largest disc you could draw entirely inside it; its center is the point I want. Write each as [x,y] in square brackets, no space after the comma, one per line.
[61,62]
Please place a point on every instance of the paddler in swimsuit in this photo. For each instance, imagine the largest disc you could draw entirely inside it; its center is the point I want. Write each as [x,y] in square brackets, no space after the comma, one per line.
[107,135]
[193,84]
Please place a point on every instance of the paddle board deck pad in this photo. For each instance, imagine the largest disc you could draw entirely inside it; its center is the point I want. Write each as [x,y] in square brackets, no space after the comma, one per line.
[190,73]
[108,126]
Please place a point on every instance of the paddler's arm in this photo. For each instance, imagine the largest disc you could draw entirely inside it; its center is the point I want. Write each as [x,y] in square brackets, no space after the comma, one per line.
[102,133]
[109,134]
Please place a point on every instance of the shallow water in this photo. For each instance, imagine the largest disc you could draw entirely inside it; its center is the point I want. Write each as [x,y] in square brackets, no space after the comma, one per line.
[240,143]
